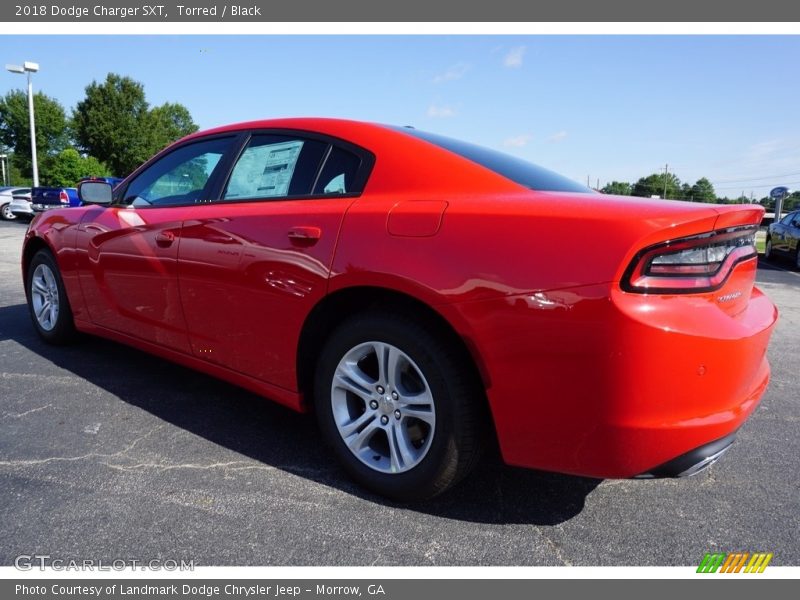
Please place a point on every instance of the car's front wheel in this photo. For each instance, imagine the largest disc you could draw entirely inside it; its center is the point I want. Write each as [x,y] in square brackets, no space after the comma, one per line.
[47,300]
[398,406]
[768,249]
[6,213]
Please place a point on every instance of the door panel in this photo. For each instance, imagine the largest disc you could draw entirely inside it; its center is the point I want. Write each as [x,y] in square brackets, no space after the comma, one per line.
[128,272]
[128,252]
[777,238]
[250,273]
[793,236]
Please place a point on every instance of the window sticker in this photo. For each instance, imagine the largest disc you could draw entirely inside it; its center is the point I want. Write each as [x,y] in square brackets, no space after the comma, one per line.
[264,171]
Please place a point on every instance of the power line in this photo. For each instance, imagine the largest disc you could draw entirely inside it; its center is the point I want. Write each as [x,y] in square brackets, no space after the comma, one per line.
[756,178]
[737,187]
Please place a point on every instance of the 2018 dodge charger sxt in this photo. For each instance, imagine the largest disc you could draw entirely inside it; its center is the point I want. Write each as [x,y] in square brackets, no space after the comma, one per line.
[424,296]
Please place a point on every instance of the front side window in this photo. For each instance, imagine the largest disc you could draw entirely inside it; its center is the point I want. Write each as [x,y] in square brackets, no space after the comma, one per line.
[787,219]
[180,177]
[273,166]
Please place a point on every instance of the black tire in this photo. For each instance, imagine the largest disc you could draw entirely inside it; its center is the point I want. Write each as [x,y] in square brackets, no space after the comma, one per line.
[62,330]
[797,257]
[460,415]
[768,252]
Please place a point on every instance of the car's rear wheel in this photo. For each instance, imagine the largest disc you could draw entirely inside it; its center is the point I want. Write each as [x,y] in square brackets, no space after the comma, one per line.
[398,407]
[47,300]
[797,257]
[768,249]
[6,213]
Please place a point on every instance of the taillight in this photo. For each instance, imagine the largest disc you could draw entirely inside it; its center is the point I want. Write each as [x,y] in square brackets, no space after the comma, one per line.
[699,263]
[63,198]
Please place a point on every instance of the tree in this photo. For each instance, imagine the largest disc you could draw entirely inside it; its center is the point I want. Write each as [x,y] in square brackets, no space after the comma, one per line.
[791,202]
[15,176]
[107,122]
[114,123]
[51,128]
[686,192]
[68,167]
[653,185]
[618,188]
[169,122]
[703,191]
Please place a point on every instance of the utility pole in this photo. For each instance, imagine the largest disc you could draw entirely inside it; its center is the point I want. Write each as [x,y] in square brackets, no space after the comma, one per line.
[598,184]
[587,182]
[666,175]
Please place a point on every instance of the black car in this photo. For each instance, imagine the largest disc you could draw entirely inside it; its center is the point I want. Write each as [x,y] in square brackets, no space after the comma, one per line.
[783,238]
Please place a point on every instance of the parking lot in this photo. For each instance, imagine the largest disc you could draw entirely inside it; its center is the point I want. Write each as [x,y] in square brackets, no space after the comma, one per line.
[109,453]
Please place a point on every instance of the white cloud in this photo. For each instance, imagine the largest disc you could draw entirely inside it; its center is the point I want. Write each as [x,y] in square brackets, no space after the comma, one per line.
[518,141]
[558,136]
[456,71]
[441,111]
[513,59]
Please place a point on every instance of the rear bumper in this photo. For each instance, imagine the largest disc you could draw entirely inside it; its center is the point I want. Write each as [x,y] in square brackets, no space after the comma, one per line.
[596,382]
[38,207]
[21,209]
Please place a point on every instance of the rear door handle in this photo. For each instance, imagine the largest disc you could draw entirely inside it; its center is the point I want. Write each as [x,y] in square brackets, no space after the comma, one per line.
[165,238]
[305,234]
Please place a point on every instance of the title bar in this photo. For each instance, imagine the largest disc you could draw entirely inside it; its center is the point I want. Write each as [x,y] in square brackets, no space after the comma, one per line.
[497,11]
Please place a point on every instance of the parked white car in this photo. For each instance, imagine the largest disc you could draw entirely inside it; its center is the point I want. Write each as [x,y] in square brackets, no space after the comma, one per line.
[7,196]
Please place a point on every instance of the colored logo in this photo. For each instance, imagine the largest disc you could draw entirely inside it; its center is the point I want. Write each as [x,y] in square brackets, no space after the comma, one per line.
[735,562]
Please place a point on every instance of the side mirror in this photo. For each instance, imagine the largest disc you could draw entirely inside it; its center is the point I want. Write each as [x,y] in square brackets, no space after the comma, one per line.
[95,192]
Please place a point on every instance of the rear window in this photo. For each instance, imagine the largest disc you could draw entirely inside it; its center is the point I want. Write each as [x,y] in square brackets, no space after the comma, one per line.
[517,170]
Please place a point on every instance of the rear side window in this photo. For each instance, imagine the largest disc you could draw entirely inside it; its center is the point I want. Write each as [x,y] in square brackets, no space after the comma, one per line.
[517,170]
[275,166]
[339,173]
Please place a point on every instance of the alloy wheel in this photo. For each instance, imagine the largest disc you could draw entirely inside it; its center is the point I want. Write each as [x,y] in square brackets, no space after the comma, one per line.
[44,297]
[383,407]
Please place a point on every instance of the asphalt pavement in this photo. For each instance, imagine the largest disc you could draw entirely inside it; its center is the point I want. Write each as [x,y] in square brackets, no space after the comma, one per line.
[109,453]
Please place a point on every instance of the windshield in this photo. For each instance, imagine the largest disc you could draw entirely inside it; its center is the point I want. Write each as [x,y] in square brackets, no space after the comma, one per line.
[517,170]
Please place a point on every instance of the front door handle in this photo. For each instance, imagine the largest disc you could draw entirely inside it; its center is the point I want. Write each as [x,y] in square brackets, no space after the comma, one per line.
[165,238]
[304,234]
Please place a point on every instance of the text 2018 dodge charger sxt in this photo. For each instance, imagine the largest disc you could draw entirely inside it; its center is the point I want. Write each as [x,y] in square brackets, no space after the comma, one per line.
[422,295]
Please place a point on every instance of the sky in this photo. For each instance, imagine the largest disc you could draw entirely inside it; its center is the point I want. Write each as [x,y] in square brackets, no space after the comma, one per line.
[599,106]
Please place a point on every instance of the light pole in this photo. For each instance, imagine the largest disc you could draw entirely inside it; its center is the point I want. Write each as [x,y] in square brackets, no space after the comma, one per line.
[29,67]
[3,158]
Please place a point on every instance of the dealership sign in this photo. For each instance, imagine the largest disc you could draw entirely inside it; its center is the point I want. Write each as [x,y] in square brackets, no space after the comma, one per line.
[778,192]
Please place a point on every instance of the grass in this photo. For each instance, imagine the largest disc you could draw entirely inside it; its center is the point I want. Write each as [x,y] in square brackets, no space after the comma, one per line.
[761,241]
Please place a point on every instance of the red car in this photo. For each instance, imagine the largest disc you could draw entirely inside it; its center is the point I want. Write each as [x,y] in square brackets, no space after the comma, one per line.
[424,297]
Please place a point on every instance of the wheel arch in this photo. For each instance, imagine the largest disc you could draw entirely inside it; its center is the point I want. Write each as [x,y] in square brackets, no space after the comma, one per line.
[32,246]
[345,302]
